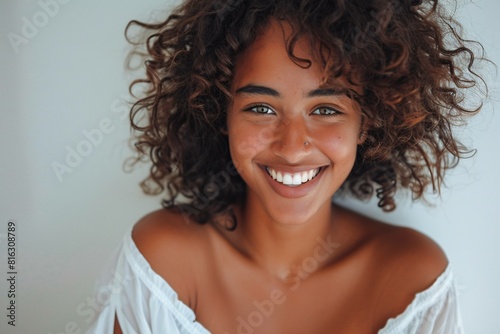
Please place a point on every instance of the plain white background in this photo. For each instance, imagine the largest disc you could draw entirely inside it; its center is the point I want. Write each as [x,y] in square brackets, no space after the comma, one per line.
[66,78]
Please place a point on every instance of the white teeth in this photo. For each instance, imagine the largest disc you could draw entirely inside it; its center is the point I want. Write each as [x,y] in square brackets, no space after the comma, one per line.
[293,179]
[297,179]
[305,177]
[287,179]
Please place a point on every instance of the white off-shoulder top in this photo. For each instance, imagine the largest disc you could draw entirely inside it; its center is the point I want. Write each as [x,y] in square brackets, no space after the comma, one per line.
[145,303]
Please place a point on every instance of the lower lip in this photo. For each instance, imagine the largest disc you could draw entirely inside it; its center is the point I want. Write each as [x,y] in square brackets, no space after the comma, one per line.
[294,191]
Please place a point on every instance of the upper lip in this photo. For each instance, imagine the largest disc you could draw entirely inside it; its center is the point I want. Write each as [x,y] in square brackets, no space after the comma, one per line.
[292,169]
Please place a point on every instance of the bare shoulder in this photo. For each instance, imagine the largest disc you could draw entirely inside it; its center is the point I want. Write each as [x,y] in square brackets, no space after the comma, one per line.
[411,255]
[165,230]
[173,247]
[402,262]
[399,263]
[398,249]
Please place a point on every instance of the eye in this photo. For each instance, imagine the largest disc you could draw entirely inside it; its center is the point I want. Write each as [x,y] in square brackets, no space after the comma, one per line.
[326,111]
[260,109]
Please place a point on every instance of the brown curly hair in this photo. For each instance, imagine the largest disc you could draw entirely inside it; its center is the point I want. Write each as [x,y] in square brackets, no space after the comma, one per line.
[407,55]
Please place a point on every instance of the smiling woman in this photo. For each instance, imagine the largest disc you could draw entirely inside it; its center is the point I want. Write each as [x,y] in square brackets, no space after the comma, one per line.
[288,103]
[274,95]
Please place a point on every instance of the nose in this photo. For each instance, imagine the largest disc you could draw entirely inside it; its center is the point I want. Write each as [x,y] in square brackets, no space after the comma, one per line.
[292,141]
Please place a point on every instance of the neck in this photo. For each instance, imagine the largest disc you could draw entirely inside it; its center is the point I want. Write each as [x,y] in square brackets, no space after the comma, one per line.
[283,247]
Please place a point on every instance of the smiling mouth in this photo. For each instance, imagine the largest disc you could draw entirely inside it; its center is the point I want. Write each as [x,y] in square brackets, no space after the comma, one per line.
[293,179]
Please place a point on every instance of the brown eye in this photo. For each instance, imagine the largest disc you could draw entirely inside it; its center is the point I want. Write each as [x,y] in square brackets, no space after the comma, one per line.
[327,111]
[260,110]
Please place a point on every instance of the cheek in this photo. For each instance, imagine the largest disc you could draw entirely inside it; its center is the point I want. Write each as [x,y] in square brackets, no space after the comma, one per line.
[246,140]
[341,147]
[242,147]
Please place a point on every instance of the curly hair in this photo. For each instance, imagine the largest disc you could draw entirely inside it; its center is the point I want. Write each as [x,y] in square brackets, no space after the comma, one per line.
[408,56]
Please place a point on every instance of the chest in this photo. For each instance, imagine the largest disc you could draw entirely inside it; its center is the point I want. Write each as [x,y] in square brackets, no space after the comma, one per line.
[243,302]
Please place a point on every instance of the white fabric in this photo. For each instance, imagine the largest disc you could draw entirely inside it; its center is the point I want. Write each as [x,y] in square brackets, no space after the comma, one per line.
[144,302]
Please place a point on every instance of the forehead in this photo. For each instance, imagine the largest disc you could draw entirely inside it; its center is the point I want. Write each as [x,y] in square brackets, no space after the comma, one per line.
[274,38]
[267,57]
[267,60]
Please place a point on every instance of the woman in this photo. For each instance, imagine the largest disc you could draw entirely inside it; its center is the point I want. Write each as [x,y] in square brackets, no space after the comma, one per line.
[256,113]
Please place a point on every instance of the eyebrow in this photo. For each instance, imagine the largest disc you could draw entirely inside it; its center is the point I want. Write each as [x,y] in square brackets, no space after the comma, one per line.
[325,92]
[258,90]
[262,90]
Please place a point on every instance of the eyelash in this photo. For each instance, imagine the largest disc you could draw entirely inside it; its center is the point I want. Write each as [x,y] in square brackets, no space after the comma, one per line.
[334,112]
[255,106]
[251,108]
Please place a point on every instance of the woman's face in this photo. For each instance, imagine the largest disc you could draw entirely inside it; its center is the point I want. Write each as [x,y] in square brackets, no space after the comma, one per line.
[292,141]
